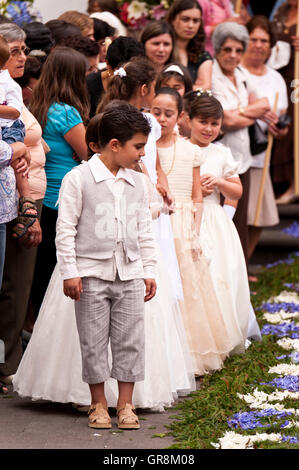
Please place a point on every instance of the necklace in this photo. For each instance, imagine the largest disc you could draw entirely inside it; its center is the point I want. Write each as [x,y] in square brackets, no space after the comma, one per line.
[173,158]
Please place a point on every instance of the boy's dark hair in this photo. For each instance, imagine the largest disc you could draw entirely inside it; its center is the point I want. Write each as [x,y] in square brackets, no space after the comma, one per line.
[202,103]
[172,92]
[119,120]
[122,49]
[185,79]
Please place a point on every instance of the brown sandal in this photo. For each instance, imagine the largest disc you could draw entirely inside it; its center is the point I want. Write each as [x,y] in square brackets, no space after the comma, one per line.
[127,418]
[28,214]
[99,417]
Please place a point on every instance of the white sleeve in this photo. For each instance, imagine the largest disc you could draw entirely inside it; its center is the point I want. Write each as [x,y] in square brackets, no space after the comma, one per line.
[14,97]
[146,239]
[69,211]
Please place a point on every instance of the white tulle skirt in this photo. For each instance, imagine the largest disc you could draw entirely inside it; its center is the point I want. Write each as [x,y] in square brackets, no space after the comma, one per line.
[51,365]
[222,247]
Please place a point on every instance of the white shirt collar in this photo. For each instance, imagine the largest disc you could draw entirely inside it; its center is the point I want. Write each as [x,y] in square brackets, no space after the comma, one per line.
[101,173]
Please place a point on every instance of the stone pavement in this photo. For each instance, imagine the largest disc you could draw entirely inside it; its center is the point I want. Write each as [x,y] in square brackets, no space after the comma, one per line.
[27,424]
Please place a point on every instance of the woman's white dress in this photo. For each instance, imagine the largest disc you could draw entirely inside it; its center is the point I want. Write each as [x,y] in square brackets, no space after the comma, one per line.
[221,244]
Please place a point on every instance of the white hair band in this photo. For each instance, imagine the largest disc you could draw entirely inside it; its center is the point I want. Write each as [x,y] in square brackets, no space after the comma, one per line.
[174,68]
[121,72]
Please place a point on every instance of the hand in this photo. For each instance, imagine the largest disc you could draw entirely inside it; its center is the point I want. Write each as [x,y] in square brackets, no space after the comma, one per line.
[270,117]
[20,150]
[209,181]
[207,191]
[196,250]
[276,132]
[150,289]
[296,42]
[21,166]
[33,237]
[73,287]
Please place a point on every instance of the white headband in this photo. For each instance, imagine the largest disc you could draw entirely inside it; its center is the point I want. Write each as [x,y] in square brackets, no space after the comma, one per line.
[174,68]
[121,72]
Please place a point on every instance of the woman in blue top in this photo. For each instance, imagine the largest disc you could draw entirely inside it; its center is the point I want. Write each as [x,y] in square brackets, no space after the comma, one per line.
[60,104]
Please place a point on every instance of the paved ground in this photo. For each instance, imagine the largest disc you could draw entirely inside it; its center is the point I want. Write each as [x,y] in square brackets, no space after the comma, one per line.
[45,425]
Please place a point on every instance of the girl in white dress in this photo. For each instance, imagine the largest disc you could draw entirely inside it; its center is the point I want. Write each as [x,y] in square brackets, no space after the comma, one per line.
[219,174]
[207,336]
[51,366]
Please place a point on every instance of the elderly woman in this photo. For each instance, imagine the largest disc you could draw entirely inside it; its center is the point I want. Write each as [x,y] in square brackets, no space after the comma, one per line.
[230,41]
[20,255]
[266,82]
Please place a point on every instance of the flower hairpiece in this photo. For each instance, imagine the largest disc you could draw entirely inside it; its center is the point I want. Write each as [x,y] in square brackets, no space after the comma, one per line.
[201,91]
[121,72]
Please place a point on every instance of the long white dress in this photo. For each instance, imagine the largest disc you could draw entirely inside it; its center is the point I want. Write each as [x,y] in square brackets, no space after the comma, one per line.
[220,240]
[51,367]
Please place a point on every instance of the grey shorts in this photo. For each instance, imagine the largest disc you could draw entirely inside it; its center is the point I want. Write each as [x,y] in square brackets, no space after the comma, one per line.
[111,310]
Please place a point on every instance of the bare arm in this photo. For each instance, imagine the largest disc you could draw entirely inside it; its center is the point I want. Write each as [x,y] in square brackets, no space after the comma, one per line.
[234,120]
[230,188]
[204,76]
[75,137]
[8,112]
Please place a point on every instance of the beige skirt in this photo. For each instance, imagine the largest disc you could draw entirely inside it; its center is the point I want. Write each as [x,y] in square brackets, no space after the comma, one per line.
[269,213]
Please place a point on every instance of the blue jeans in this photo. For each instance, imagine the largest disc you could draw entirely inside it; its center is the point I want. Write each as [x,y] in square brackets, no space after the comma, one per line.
[2,249]
[15,133]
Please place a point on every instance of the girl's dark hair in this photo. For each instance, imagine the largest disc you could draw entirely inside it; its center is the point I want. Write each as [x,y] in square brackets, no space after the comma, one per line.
[119,120]
[185,79]
[172,92]
[102,29]
[122,49]
[38,37]
[61,29]
[202,104]
[156,28]
[139,71]
[82,44]
[262,22]
[105,5]
[195,45]
[62,81]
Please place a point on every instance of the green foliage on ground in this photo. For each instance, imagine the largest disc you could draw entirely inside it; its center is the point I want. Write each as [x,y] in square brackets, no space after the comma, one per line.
[202,418]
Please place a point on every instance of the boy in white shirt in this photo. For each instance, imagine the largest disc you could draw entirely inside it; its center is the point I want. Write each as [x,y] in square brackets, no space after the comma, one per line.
[105,249]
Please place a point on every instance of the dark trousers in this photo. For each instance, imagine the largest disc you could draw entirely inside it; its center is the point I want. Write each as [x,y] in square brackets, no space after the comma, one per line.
[46,258]
[14,297]
[240,217]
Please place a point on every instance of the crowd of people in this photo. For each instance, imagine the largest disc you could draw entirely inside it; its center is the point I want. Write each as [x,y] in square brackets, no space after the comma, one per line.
[166,133]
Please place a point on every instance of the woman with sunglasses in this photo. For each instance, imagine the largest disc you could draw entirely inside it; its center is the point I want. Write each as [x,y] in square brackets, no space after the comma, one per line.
[229,86]
[20,254]
[185,16]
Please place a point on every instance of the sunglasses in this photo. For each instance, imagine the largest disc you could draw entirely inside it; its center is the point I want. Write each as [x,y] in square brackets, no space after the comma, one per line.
[229,50]
[18,51]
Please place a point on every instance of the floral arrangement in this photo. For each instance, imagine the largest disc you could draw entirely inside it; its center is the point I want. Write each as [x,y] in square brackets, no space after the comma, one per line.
[137,14]
[20,12]
[268,409]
